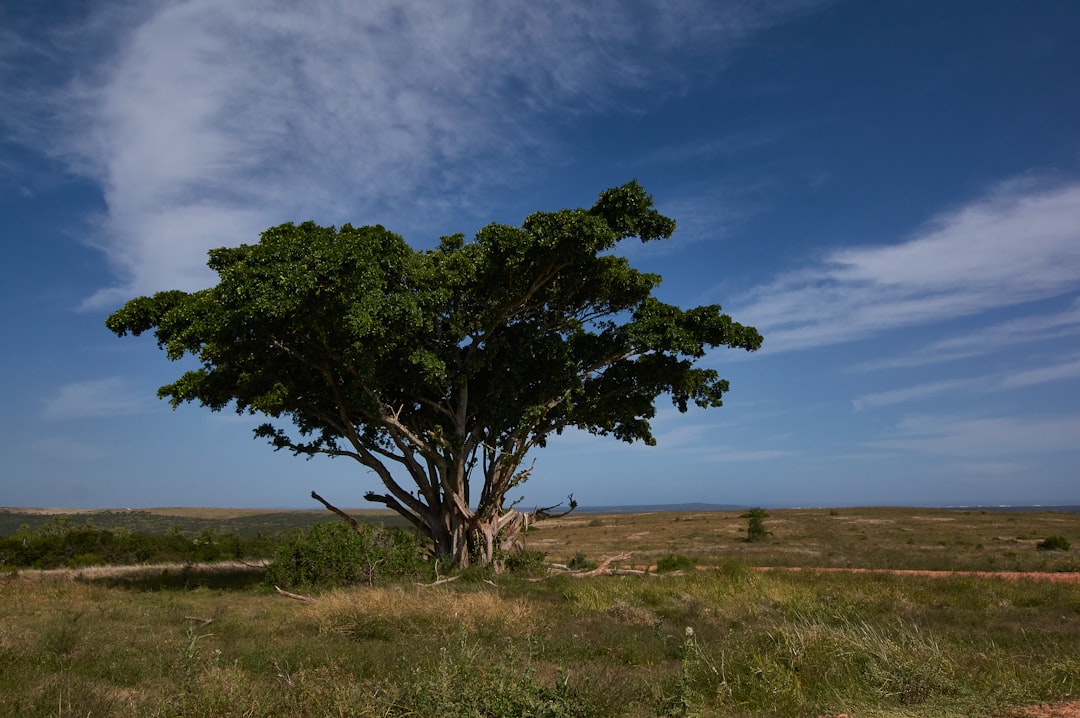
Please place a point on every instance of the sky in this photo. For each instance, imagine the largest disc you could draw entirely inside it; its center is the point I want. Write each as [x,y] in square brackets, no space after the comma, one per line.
[889,192]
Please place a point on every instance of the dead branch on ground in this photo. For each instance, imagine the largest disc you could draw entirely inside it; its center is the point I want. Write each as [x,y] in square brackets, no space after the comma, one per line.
[439,582]
[295,596]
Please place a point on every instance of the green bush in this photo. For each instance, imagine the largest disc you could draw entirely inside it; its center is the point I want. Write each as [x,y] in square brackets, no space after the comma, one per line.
[1053,543]
[580,562]
[528,562]
[755,525]
[334,554]
[673,562]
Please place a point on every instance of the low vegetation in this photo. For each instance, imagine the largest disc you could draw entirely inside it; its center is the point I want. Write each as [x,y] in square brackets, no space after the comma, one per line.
[725,641]
[334,554]
[63,542]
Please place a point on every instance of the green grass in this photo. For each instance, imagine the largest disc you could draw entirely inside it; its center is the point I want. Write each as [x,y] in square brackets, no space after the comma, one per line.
[759,644]
[732,641]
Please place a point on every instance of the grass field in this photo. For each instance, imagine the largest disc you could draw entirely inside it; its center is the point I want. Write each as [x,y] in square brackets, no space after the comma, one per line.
[729,641]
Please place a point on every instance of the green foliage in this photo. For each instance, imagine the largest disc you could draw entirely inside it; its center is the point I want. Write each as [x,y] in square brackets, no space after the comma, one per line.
[675,562]
[334,554]
[755,525]
[1053,543]
[580,562]
[446,362]
[62,542]
[528,562]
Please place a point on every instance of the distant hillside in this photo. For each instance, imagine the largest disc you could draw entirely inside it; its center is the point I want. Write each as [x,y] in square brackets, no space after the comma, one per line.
[656,508]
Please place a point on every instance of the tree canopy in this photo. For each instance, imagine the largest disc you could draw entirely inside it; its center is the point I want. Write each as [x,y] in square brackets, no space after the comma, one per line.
[441,369]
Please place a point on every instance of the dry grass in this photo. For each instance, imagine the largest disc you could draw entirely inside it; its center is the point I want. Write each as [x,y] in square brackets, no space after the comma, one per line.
[433,610]
[857,538]
[774,643]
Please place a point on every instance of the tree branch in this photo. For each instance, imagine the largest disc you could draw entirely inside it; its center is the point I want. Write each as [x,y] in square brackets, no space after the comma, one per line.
[348,519]
[392,504]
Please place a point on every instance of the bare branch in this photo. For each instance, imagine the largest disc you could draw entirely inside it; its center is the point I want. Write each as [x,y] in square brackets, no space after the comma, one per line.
[440,581]
[348,519]
[390,503]
[295,596]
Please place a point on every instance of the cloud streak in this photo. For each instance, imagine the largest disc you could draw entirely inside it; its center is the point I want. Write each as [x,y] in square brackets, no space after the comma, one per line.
[1063,370]
[1019,244]
[94,399]
[1026,331]
[981,437]
[212,121]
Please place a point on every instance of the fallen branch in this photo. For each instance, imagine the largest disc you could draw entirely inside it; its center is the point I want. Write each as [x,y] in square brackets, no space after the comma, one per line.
[603,567]
[440,581]
[295,596]
[202,621]
[602,570]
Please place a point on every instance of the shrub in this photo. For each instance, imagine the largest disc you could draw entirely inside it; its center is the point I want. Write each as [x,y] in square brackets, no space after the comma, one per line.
[580,562]
[528,562]
[755,525]
[673,562]
[334,554]
[1053,543]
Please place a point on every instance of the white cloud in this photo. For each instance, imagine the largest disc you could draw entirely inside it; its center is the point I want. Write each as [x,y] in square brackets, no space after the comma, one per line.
[1028,330]
[1020,244]
[1068,369]
[982,437]
[211,121]
[94,399]
[911,393]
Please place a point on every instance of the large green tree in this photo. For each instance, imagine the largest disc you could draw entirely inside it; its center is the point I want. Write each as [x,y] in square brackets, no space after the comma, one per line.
[440,370]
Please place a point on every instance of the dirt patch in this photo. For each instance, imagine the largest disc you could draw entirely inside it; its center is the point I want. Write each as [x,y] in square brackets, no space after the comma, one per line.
[1047,710]
[1052,710]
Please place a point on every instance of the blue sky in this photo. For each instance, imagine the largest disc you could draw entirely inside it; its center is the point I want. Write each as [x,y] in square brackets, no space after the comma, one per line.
[890,192]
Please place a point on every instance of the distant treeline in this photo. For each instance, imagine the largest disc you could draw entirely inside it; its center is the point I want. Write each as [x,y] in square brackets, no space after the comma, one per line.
[62,542]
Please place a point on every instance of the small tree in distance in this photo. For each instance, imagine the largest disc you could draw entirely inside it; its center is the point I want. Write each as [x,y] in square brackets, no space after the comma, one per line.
[440,370]
[755,525]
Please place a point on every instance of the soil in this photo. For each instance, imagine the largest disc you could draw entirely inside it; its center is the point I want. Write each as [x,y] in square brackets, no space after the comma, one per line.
[1052,710]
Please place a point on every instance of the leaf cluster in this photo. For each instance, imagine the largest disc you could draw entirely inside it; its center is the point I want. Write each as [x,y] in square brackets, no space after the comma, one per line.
[538,326]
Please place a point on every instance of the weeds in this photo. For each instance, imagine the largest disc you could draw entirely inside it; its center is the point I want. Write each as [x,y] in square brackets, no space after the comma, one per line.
[761,644]
[1053,543]
[673,562]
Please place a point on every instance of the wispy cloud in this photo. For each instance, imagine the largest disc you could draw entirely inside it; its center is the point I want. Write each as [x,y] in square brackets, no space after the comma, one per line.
[911,393]
[1063,370]
[94,399]
[1068,369]
[211,121]
[1019,244]
[982,437]
[725,454]
[1028,330]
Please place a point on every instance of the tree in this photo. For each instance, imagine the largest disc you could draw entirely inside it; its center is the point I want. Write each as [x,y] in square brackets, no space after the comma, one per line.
[440,370]
[755,525]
